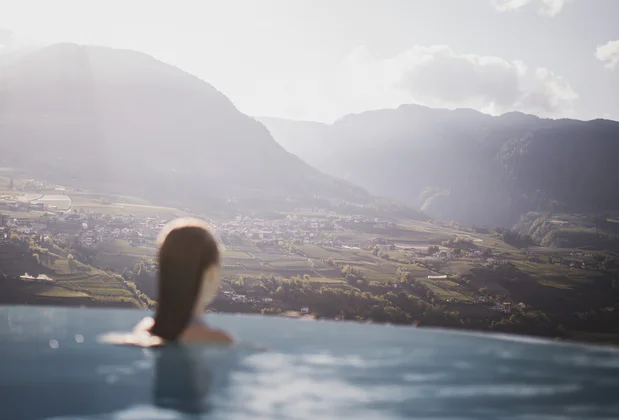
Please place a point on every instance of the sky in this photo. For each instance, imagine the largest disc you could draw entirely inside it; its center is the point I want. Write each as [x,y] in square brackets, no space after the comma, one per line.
[322,59]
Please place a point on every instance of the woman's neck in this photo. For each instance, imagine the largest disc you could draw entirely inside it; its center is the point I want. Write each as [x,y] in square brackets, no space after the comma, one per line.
[199,310]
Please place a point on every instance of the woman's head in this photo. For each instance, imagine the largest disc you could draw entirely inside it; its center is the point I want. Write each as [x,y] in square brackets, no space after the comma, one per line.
[188,275]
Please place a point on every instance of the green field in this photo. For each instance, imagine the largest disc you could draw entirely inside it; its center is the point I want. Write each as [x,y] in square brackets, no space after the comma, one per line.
[325,280]
[123,205]
[117,262]
[124,247]
[77,281]
[231,254]
[446,290]
[119,254]
[458,267]
[318,252]
[95,283]
[56,291]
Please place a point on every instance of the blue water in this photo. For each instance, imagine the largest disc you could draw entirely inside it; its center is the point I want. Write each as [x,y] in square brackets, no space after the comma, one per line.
[51,366]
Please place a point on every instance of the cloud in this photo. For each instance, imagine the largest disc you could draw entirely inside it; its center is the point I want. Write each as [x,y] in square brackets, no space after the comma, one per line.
[508,5]
[608,52]
[434,76]
[438,74]
[552,92]
[549,8]
[439,77]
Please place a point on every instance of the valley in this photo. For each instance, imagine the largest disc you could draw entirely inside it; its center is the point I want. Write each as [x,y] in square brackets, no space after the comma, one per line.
[331,264]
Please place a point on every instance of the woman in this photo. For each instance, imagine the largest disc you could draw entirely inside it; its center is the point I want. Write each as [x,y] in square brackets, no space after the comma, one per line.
[188,282]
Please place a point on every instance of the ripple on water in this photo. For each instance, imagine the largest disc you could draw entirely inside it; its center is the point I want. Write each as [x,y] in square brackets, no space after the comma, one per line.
[505,390]
[423,377]
[589,361]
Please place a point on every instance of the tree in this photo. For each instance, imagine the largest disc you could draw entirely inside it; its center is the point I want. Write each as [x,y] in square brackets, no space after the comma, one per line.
[36,258]
[11,185]
[138,268]
[266,311]
[433,249]
[599,257]
[406,278]
[306,277]
[71,262]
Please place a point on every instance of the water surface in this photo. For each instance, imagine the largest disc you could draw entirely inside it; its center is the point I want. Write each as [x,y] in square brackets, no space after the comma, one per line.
[54,367]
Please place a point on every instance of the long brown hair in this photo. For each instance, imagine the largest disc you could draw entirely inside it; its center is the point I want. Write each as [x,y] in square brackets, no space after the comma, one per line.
[187,251]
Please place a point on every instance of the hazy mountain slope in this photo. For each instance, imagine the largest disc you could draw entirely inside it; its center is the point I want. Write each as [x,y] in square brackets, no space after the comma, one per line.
[306,139]
[121,120]
[465,165]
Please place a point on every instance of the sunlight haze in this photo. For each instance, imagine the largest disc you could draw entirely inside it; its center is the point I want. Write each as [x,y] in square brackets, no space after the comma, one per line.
[320,60]
[434,179]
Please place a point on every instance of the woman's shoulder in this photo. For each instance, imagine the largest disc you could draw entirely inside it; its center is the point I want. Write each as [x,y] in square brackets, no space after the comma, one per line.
[141,336]
[200,333]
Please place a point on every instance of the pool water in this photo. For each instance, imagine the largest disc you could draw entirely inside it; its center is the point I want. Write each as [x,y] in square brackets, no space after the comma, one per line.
[52,366]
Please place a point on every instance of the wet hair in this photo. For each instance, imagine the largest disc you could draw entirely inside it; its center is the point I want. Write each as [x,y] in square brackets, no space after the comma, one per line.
[187,250]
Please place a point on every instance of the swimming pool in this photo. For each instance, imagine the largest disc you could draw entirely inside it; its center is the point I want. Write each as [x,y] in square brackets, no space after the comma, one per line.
[51,366]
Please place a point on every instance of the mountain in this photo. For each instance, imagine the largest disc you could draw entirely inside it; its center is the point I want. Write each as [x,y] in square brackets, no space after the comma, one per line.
[124,122]
[464,165]
[306,139]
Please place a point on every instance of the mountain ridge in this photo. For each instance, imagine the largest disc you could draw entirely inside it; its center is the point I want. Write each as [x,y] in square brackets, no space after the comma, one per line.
[124,121]
[462,164]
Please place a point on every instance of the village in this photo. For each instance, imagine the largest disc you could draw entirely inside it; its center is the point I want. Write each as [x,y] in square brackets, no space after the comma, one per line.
[312,244]
[319,230]
[88,229]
